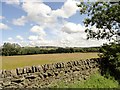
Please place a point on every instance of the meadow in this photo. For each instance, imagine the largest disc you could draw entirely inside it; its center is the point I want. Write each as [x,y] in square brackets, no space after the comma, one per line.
[12,62]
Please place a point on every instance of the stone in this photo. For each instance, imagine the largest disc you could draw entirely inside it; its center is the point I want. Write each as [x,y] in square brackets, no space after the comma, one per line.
[51,66]
[45,67]
[3,75]
[75,63]
[13,73]
[50,73]
[28,69]
[56,73]
[18,80]
[87,67]
[62,65]
[31,76]
[19,71]
[69,64]
[58,65]
[0,73]
[41,75]
[39,68]
[24,71]
[11,87]
[75,69]
[8,73]
[45,75]
[34,69]
[6,83]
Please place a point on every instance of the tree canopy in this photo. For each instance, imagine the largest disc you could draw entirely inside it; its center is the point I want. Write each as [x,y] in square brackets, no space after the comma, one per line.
[9,49]
[104,16]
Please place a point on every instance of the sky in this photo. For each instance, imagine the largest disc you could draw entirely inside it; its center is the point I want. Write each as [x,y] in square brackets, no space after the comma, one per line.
[44,23]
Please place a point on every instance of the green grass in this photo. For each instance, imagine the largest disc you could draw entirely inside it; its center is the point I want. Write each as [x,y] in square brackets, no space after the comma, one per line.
[12,62]
[95,81]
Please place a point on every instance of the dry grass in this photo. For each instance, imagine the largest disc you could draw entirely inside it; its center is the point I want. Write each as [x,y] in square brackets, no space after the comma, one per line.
[12,62]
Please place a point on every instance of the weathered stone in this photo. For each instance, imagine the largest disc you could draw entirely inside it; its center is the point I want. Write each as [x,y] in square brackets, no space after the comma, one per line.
[58,65]
[8,73]
[45,67]
[28,69]
[75,63]
[19,71]
[51,66]
[11,87]
[87,67]
[39,68]
[34,69]
[56,73]
[0,73]
[75,69]
[62,65]
[18,80]
[69,64]
[7,83]
[50,73]
[24,71]
[5,73]
[43,75]
[31,76]
[13,73]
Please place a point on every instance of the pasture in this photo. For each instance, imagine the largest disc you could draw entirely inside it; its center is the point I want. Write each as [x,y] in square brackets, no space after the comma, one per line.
[12,62]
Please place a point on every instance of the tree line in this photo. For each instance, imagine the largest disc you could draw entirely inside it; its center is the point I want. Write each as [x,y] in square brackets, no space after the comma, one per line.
[9,49]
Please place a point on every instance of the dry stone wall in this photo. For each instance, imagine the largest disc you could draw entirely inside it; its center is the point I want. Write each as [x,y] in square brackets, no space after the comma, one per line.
[42,76]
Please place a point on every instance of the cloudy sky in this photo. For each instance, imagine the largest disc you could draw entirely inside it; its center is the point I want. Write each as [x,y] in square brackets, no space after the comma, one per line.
[39,23]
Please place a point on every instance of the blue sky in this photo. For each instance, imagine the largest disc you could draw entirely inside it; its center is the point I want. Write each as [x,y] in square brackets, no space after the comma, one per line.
[44,23]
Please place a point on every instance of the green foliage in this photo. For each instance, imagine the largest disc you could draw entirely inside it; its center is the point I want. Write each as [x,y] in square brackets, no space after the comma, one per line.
[111,61]
[9,49]
[95,81]
[105,17]
[102,15]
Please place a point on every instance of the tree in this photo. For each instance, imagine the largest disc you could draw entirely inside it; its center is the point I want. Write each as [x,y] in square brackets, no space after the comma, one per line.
[10,49]
[105,16]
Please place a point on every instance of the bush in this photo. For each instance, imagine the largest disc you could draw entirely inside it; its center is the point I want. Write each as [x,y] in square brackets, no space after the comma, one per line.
[111,55]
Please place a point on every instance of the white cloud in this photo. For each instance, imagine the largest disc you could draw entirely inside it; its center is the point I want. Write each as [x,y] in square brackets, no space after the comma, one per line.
[64,33]
[42,14]
[32,38]
[2,17]
[68,9]
[16,2]
[10,39]
[38,30]
[3,26]
[20,21]
[72,28]
[19,37]
[38,12]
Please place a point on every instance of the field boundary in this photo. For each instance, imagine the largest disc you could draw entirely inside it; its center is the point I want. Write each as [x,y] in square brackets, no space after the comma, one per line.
[42,76]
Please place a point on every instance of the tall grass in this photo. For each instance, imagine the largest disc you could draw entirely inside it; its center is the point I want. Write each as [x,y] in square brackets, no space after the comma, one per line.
[95,81]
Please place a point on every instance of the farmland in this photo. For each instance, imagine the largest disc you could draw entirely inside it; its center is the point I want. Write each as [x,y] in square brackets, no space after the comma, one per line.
[12,62]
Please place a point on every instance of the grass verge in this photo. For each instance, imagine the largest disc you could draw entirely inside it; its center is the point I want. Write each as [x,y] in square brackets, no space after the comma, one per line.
[95,81]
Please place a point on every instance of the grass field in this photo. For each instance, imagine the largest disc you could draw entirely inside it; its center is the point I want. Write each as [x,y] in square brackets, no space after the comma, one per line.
[12,62]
